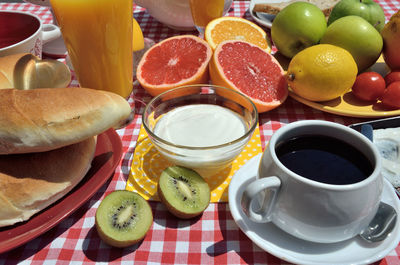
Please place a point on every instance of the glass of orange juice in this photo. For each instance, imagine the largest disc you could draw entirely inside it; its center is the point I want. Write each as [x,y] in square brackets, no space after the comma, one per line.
[98,37]
[203,11]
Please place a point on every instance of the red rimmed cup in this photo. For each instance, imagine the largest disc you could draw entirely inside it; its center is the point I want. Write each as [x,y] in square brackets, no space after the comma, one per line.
[24,32]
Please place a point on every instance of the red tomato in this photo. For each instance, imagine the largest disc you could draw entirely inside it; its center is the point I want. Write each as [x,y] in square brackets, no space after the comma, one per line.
[392,77]
[369,86]
[391,97]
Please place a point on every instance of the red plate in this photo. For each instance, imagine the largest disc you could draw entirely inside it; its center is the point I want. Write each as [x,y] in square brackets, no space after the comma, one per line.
[107,156]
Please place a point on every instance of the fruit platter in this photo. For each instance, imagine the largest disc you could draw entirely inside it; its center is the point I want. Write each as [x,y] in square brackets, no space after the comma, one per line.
[135,204]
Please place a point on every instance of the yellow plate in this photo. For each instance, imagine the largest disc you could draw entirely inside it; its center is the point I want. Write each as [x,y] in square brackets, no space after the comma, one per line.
[349,105]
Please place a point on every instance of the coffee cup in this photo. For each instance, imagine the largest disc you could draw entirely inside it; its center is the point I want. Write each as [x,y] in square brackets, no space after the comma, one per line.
[24,33]
[319,181]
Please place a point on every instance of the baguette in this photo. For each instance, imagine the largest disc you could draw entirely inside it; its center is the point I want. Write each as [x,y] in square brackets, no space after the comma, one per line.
[274,8]
[45,119]
[31,182]
[25,71]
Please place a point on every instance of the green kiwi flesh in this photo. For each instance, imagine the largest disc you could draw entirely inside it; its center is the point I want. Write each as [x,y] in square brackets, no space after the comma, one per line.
[123,218]
[183,191]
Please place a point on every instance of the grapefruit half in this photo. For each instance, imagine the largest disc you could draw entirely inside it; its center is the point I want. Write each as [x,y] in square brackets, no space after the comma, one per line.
[176,61]
[247,68]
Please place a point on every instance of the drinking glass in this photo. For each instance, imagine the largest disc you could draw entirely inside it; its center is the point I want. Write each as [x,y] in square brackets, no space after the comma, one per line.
[98,37]
[203,11]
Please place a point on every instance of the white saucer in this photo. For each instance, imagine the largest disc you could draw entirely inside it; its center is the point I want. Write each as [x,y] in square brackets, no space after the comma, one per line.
[55,48]
[286,247]
[263,18]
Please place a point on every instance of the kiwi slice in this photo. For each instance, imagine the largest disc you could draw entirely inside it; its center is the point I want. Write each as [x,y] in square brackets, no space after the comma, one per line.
[123,218]
[183,191]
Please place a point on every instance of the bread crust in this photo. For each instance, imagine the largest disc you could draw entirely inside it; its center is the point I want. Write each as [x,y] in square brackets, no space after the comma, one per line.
[45,119]
[274,8]
[8,66]
[31,182]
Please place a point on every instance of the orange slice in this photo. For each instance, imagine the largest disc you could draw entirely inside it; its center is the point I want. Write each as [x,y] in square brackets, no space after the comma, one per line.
[176,61]
[235,28]
[247,68]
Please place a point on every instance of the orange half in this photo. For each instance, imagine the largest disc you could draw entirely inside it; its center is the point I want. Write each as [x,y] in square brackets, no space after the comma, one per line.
[235,28]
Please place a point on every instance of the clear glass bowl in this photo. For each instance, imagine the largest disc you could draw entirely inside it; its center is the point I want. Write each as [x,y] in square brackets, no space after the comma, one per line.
[206,160]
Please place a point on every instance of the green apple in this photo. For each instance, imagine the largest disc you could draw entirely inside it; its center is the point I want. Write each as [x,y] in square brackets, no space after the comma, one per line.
[358,37]
[367,9]
[296,27]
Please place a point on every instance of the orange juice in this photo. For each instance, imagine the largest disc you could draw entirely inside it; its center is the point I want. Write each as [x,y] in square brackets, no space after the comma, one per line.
[203,11]
[98,37]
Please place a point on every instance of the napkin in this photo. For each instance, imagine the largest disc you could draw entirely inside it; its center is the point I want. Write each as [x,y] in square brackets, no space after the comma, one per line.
[148,163]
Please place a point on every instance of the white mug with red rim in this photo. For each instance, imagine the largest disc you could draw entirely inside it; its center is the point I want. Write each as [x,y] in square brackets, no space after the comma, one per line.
[22,32]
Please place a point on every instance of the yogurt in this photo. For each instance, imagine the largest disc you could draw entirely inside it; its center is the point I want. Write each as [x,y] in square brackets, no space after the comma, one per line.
[202,129]
[200,125]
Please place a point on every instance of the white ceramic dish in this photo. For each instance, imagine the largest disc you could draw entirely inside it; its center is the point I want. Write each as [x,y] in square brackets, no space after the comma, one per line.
[55,48]
[263,18]
[280,244]
[173,13]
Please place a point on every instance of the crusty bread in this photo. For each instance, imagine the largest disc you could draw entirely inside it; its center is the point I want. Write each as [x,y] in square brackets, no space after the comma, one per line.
[25,71]
[45,119]
[31,182]
[274,8]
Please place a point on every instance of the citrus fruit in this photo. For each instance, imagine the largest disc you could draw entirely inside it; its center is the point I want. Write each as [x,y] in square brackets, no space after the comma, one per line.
[138,40]
[176,61]
[321,72]
[235,28]
[247,68]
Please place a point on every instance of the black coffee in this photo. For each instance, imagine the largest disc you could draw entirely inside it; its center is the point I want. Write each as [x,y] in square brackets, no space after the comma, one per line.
[324,159]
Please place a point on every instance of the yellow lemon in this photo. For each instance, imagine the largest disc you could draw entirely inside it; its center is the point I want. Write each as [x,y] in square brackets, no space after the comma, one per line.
[138,40]
[321,72]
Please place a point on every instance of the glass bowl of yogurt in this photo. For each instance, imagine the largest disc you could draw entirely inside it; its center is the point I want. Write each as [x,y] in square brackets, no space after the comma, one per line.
[202,127]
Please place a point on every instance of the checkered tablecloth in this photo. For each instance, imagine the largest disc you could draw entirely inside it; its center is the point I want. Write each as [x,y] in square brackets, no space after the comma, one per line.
[212,239]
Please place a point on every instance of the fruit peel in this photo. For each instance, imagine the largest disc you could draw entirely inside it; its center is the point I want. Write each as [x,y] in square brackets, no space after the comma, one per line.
[219,78]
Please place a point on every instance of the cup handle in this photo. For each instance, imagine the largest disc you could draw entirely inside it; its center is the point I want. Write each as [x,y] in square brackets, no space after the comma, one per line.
[50,32]
[270,185]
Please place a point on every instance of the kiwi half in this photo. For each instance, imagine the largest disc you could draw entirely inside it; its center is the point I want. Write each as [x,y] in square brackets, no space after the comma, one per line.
[183,191]
[123,218]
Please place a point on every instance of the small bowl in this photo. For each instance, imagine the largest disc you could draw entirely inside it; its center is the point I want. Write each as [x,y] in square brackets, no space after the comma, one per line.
[202,150]
[175,14]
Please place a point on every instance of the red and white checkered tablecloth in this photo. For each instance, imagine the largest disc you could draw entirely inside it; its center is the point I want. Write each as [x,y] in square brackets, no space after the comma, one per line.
[212,239]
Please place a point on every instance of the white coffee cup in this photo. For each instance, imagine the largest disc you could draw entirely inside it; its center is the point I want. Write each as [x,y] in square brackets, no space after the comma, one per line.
[310,209]
[24,33]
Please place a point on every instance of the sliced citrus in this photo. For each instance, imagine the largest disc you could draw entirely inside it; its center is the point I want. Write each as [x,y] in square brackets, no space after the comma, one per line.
[251,70]
[138,40]
[235,28]
[176,61]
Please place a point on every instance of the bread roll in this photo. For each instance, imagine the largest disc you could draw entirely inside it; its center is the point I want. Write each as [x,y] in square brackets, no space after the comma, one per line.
[31,182]
[45,119]
[25,71]
[274,8]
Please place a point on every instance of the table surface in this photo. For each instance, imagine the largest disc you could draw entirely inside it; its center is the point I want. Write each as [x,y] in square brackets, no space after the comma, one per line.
[214,238]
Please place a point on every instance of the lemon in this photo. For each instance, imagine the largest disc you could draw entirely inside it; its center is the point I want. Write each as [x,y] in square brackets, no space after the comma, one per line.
[321,72]
[138,40]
